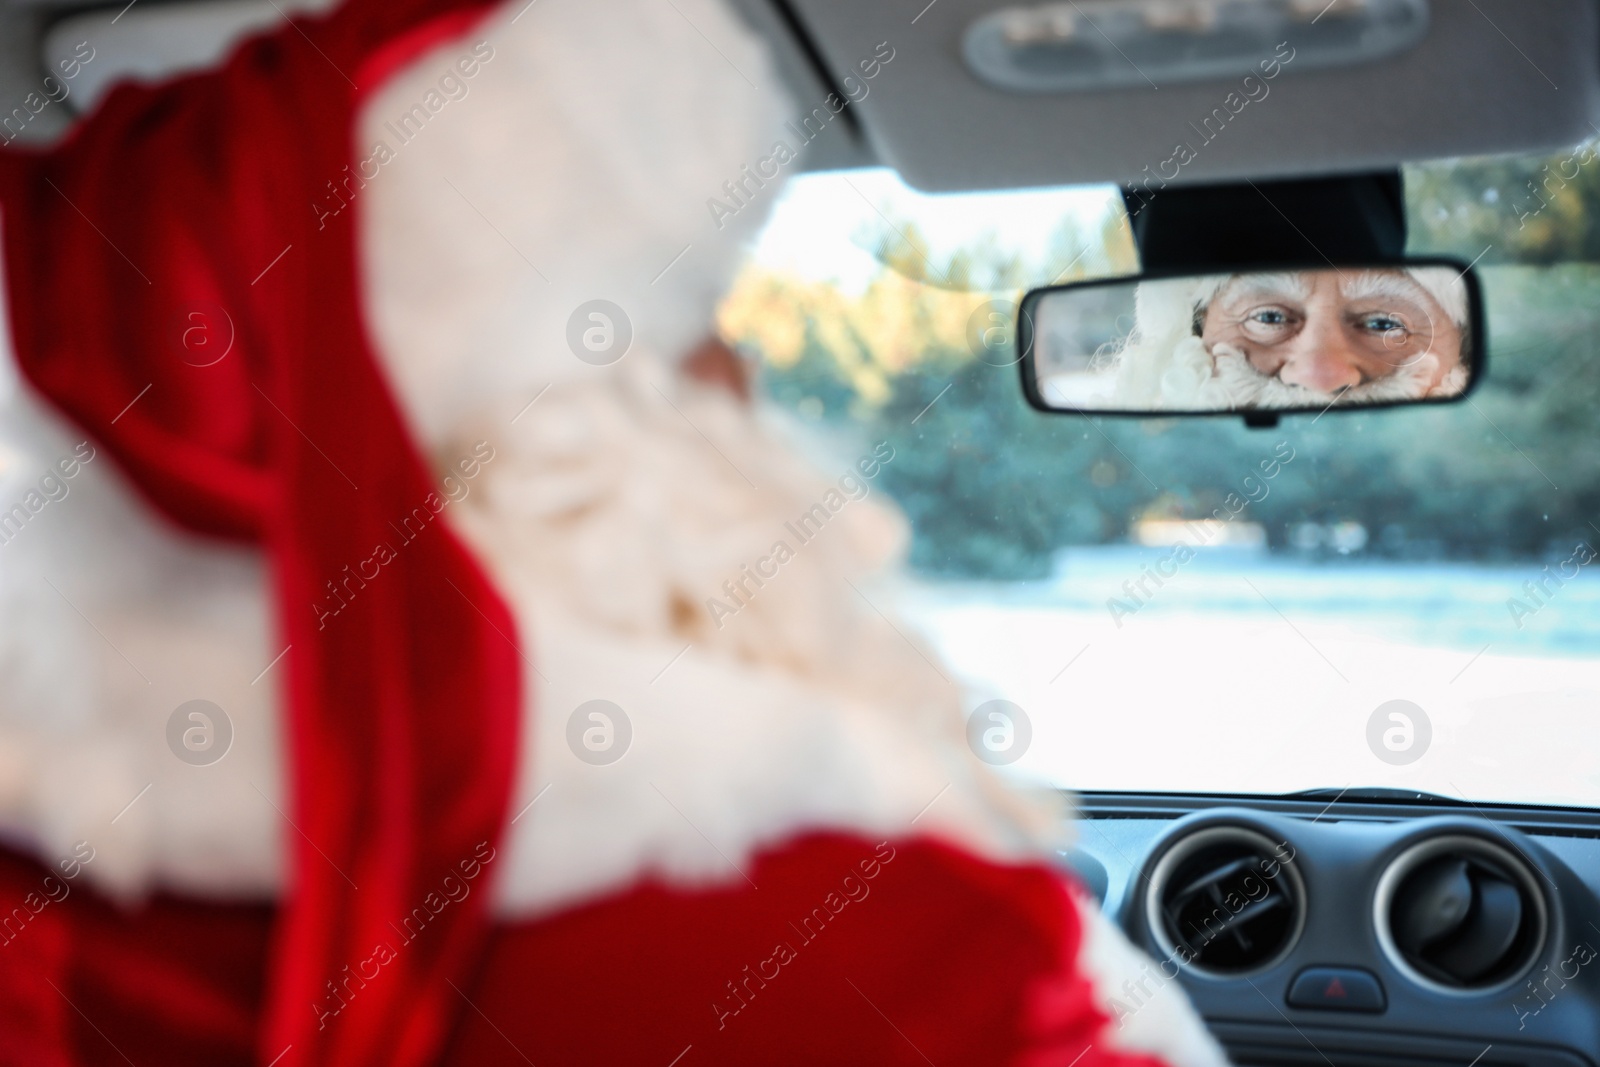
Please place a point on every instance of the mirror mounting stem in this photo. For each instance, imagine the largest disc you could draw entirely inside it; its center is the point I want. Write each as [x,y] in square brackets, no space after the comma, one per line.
[1358,218]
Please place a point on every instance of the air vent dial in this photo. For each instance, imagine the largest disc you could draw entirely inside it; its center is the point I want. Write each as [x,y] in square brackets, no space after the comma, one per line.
[1226,901]
[1460,914]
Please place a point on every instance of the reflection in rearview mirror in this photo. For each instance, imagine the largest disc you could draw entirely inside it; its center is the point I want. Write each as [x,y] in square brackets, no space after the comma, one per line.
[1284,340]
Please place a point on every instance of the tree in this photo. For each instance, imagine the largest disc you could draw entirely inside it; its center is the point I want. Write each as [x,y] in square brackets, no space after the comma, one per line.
[995,489]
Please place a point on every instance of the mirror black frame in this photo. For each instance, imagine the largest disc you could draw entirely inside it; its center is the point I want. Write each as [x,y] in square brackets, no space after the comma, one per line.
[1477,345]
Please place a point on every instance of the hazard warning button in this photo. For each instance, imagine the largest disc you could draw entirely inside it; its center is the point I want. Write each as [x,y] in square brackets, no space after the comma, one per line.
[1336,989]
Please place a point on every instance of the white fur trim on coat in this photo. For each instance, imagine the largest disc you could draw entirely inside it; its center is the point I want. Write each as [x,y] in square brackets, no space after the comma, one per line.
[1150,1013]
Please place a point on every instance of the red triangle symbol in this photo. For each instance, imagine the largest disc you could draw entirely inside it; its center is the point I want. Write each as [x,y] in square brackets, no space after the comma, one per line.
[1335,989]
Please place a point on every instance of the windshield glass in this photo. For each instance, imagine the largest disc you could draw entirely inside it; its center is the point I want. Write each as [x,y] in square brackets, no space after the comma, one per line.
[1396,599]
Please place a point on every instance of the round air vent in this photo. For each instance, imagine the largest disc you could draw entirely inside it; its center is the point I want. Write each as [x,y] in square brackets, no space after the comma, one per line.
[1460,914]
[1226,901]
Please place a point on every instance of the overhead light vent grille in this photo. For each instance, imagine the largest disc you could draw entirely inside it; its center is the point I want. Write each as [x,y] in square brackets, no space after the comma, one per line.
[1133,44]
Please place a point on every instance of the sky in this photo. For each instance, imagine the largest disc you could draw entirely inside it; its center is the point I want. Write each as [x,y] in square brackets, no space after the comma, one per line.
[822,221]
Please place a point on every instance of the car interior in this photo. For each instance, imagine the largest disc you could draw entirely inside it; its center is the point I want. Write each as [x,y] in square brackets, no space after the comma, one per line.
[1355,958]
[1309,645]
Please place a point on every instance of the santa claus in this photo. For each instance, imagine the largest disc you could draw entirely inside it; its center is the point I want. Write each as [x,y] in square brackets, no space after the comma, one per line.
[1294,339]
[365,495]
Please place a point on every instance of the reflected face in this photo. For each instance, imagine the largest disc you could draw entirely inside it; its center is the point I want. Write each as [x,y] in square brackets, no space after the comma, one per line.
[1332,332]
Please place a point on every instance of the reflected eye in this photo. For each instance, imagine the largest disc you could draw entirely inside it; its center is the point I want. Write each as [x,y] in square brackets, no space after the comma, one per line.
[1268,323]
[1383,324]
[1390,329]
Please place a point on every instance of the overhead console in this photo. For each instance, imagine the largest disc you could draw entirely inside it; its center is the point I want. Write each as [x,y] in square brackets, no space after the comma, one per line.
[988,95]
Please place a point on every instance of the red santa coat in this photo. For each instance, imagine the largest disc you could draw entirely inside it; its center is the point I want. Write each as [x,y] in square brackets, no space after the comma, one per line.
[203,204]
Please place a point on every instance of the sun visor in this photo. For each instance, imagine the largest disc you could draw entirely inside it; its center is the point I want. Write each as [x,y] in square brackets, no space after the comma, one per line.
[981,95]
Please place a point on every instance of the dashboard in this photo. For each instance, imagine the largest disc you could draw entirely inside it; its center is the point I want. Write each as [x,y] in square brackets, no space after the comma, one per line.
[1404,932]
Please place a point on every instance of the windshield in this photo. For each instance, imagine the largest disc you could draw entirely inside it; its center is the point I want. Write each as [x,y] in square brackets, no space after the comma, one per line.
[1396,599]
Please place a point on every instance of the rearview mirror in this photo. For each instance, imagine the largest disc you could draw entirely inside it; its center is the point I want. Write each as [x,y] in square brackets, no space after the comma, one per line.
[1274,341]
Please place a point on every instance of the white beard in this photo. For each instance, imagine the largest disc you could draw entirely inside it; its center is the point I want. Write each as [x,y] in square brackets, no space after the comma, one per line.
[1225,379]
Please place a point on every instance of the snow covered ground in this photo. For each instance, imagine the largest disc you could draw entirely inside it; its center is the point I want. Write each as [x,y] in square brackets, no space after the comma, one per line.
[1246,673]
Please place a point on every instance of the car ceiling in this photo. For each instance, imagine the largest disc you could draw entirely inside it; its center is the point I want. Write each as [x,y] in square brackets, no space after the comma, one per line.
[1491,76]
